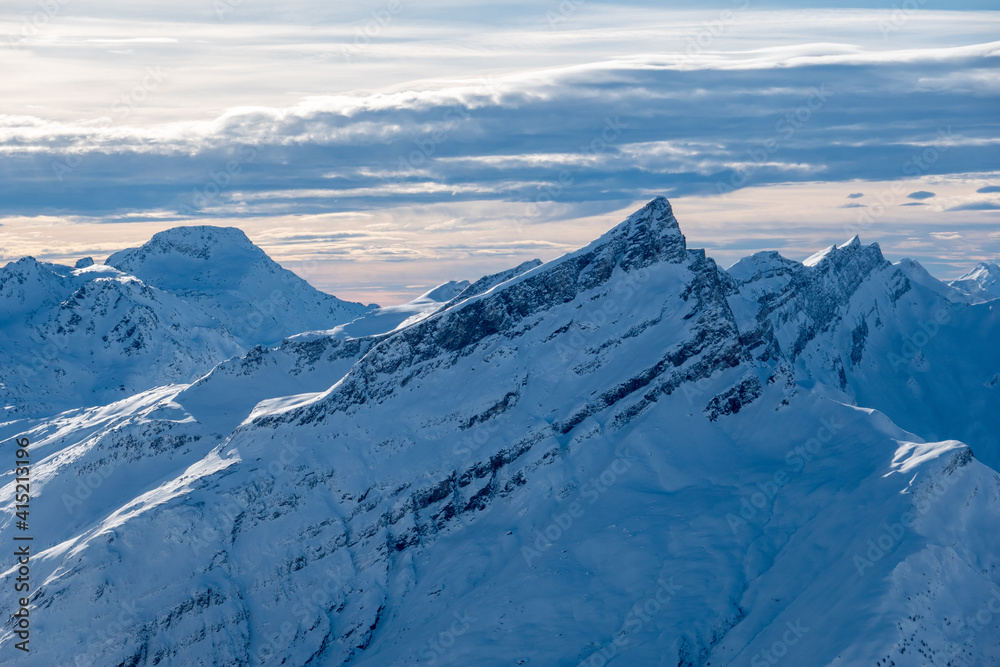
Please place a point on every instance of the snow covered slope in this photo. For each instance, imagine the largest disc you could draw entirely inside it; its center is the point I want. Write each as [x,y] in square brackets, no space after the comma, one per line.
[234,281]
[166,312]
[387,318]
[981,283]
[889,336]
[88,336]
[624,456]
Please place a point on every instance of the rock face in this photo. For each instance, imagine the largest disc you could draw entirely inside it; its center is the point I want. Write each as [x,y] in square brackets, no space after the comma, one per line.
[623,456]
[163,313]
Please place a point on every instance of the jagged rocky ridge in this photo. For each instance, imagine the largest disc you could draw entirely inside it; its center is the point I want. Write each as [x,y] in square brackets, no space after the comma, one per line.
[562,467]
[886,335]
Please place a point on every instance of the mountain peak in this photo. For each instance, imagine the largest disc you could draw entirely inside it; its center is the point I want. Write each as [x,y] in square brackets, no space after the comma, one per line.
[658,213]
[198,244]
[27,264]
[981,271]
[849,252]
[650,234]
[203,256]
[443,292]
[763,263]
[235,281]
[982,282]
[26,286]
[208,236]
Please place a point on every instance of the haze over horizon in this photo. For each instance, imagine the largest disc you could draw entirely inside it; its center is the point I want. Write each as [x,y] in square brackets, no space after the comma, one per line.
[380,148]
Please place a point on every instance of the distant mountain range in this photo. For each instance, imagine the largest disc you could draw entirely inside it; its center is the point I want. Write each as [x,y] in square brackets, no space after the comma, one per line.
[624,456]
[163,313]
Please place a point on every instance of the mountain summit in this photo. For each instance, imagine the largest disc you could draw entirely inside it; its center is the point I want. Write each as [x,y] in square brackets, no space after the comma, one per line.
[623,456]
[982,283]
[234,281]
[192,257]
[162,313]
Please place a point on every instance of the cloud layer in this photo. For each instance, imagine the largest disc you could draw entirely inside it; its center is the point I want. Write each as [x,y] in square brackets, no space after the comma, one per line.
[575,111]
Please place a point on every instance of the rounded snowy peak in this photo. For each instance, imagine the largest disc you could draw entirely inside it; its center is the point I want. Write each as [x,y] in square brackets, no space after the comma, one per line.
[765,263]
[207,237]
[195,257]
[202,242]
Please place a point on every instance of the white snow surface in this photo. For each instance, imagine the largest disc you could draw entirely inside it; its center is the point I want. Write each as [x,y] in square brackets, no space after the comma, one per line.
[982,283]
[625,456]
[166,312]
[389,318]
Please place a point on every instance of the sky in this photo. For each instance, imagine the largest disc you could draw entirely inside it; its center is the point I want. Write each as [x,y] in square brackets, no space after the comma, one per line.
[380,148]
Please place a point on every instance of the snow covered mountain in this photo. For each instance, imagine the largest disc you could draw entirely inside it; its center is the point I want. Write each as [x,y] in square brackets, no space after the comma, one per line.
[880,335]
[981,283]
[234,281]
[163,313]
[624,456]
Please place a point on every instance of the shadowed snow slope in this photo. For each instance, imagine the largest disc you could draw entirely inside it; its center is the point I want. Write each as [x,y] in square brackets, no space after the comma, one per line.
[624,456]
